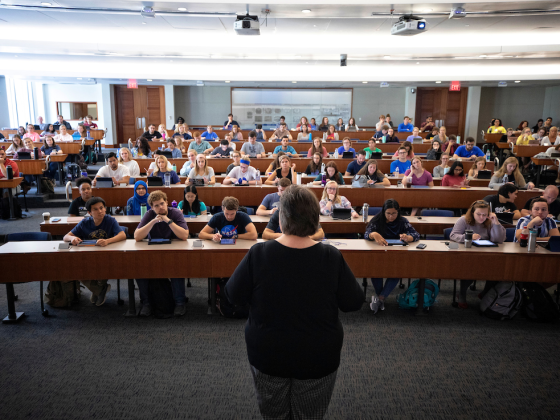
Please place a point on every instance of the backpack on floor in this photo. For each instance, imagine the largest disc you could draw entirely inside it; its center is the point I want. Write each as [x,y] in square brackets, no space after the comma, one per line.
[538,305]
[161,299]
[409,299]
[6,208]
[47,185]
[60,294]
[503,301]
[226,308]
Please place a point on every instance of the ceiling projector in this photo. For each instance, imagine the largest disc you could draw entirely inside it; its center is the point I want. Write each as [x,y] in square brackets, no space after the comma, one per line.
[408,25]
[247,25]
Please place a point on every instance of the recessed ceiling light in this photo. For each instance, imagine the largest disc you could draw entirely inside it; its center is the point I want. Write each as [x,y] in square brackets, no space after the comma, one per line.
[182,9]
[171,61]
[148,80]
[294,82]
[44,3]
[386,56]
[467,25]
[483,56]
[438,82]
[306,11]
[517,81]
[364,82]
[143,23]
[227,81]
[418,62]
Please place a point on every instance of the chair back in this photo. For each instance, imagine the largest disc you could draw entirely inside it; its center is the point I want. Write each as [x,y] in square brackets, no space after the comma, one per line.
[438,213]
[27,236]
[250,211]
[374,211]
[447,233]
[510,234]
[125,230]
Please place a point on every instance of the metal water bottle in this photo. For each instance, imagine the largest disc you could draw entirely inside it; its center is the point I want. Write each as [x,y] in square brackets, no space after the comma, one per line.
[322,168]
[36,153]
[9,172]
[298,180]
[365,212]
[532,243]
[143,209]
[174,168]
[258,177]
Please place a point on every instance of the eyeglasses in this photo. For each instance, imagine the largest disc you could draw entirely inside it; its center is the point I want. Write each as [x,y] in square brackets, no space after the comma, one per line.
[331,189]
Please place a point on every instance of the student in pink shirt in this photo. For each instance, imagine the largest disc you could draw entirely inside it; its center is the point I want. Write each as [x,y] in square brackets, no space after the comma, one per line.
[31,134]
[455,177]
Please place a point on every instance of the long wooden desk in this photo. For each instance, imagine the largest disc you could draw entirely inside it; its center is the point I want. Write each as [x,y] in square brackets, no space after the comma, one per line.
[529,150]
[436,197]
[220,164]
[507,262]
[8,184]
[492,138]
[424,226]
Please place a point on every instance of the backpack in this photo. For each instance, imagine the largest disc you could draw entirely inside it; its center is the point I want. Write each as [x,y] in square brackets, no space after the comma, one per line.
[61,294]
[47,185]
[226,308]
[161,299]
[6,208]
[538,305]
[409,299]
[502,301]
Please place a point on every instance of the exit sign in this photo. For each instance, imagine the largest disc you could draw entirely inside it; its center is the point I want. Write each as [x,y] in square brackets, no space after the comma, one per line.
[132,84]
[455,86]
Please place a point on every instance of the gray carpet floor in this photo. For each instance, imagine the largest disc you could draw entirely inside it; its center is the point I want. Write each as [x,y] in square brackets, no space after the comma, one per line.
[93,363]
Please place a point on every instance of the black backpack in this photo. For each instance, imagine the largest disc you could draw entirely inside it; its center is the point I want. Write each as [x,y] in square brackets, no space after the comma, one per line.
[226,308]
[161,299]
[538,305]
[5,214]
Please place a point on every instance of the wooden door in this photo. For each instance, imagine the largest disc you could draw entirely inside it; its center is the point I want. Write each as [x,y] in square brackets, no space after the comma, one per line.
[445,107]
[136,109]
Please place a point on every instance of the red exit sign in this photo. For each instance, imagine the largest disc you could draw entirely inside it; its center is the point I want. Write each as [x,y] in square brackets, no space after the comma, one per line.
[132,84]
[455,86]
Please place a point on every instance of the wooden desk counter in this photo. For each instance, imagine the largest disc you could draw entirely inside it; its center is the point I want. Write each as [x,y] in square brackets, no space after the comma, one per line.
[492,138]
[529,150]
[436,197]
[31,166]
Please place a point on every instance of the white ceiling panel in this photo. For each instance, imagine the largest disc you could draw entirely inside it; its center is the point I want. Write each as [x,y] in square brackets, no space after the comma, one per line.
[204,24]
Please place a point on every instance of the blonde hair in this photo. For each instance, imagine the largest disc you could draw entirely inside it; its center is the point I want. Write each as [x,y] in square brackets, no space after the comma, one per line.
[325,195]
[161,129]
[246,157]
[160,157]
[516,173]
[180,125]
[474,165]
[445,135]
[196,168]
[120,154]
[179,142]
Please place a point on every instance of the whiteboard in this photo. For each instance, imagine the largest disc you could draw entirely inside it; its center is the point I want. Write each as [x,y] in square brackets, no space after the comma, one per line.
[265,106]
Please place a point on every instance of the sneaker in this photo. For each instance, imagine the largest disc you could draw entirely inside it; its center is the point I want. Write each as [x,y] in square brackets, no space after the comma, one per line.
[146,310]
[381,304]
[180,310]
[374,305]
[93,298]
[103,295]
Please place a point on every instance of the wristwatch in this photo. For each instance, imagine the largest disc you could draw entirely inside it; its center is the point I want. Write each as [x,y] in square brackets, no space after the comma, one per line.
[170,221]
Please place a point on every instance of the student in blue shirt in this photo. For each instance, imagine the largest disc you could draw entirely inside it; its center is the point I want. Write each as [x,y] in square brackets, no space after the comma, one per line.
[162,169]
[406,126]
[286,148]
[172,147]
[230,223]
[355,166]
[104,230]
[468,150]
[209,134]
[270,202]
[346,147]
[403,164]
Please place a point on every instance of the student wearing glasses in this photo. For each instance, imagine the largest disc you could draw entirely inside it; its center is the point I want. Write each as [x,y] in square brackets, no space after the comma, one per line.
[485,225]
[409,150]
[134,203]
[441,170]
[456,176]
[400,166]
[332,174]
[388,224]
[332,200]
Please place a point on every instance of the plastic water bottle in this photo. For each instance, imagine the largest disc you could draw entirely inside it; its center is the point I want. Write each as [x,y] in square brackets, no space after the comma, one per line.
[322,168]
[336,153]
[84,174]
[174,204]
[310,138]
[488,155]
[167,178]
[397,171]
[88,136]
[143,209]
[174,168]
[258,177]
[384,139]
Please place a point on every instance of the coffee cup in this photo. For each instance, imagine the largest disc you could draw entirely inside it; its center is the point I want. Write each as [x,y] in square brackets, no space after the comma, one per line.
[46,216]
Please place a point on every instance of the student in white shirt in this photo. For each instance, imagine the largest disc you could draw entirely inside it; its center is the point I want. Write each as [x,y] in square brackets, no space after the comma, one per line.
[552,139]
[189,164]
[242,174]
[119,173]
[125,158]
[63,136]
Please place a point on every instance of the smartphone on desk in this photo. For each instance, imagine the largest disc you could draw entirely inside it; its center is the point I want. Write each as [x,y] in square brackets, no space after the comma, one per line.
[227,241]
[56,219]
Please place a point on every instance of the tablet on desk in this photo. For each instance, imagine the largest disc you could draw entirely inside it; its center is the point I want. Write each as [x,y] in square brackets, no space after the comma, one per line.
[420,186]
[159,241]
[483,243]
[396,242]
[91,242]
[227,241]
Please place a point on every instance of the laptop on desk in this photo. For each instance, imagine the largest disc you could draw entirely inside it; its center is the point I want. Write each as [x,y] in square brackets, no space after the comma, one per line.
[347,155]
[167,154]
[24,155]
[485,174]
[104,182]
[505,218]
[417,140]
[155,181]
[376,155]
[555,155]
[342,214]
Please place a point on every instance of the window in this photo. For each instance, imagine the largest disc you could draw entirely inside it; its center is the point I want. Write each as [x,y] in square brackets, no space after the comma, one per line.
[77,110]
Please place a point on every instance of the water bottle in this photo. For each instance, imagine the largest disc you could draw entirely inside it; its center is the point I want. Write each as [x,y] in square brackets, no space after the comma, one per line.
[458,139]
[174,204]
[258,176]
[323,179]
[174,168]
[488,155]
[365,212]
[336,154]
[322,168]
[143,209]
[9,172]
[532,243]
[88,136]
[397,171]
[84,174]
[324,137]
[468,238]
[384,139]
[298,178]
[167,178]
[36,153]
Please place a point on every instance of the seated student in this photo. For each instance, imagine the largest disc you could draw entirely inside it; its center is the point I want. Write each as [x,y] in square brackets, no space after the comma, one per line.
[119,173]
[468,150]
[428,125]
[270,202]
[253,148]
[51,148]
[89,124]
[382,133]
[331,134]
[61,122]
[455,177]
[540,135]
[244,174]
[346,148]
[340,126]
[274,231]
[29,146]
[180,120]
[351,126]
[388,224]
[209,134]
[201,146]
[312,124]
[229,223]
[314,167]
[230,122]
[524,138]
[21,131]
[391,136]
[281,132]
[434,133]
[151,133]
[400,166]
[163,132]
[305,133]
[332,200]
[64,135]
[504,201]
[538,219]
[223,151]
[496,127]
[142,148]
[484,225]
[16,146]
[189,164]
[105,230]
[49,131]
[417,175]
[125,158]
[236,134]
[409,150]
[317,148]
[550,194]
[182,130]
[285,147]
[372,148]
[201,171]
[373,174]
[162,222]
[191,205]
[355,166]
[434,150]
[509,172]
[415,135]
[134,203]
[381,123]
[31,134]
[152,167]
[552,139]
[331,175]
[236,156]
[324,125]
[478,165]
[284,171]
[172,147]
[80,133]
[275,164]
[162,169]
[78,205]
[302,121]
[4,162]
[441,170]
[405,126]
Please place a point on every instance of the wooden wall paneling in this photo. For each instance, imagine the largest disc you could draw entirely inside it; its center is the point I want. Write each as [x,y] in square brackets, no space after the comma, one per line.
[153,105]
[162,111]
[141,108]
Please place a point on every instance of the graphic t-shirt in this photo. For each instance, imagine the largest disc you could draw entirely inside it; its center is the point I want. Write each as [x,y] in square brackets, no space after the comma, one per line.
[230,229]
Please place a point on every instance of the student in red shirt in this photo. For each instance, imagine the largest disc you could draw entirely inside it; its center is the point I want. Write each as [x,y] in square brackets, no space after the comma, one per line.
[4,162]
